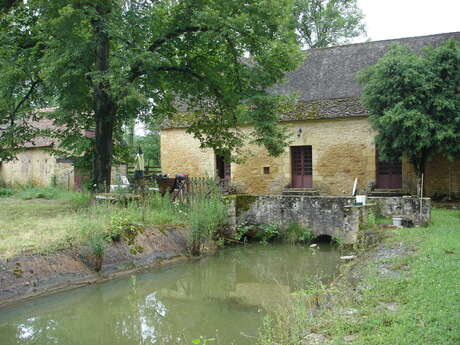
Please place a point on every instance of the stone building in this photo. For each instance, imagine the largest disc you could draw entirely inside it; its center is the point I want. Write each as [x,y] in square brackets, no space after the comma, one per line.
[37,165]
[332,141]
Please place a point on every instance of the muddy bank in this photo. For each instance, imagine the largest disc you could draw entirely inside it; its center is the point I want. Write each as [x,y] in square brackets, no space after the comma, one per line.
[344,295]
[31,275]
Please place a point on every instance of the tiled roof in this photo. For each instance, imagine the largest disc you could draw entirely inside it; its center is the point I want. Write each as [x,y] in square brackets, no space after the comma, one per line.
[326,109]
[330,73]
[326,83]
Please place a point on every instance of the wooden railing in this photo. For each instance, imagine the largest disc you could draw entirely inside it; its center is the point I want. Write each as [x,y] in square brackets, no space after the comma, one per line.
[149,169]
[192,189]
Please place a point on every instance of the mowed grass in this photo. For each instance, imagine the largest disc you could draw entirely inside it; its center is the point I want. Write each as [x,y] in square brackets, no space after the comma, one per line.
[415,300]
[46,219]
[37,225]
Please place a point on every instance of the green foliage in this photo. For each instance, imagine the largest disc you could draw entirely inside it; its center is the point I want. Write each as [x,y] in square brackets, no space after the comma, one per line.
[206,217]
[242,231]
[123,224]
[29,192]
[202,341]
[32,192]
[269,232]
[109,62]
[323,23]
[150,144]
[296,233]
[371,220]
[411,302]
[413,103]
[6,192]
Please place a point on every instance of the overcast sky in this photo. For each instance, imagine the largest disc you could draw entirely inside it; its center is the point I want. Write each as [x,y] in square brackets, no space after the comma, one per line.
[388,19]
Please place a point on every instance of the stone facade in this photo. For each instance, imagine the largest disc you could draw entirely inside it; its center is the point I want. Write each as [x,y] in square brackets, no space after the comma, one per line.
[37,166]
[330,118]
[342,149]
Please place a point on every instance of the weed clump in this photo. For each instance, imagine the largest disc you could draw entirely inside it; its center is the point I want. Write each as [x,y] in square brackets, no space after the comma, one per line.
[206,217]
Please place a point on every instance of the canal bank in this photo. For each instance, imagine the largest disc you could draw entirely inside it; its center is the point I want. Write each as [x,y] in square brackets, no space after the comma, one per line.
[404,291]
[31,275]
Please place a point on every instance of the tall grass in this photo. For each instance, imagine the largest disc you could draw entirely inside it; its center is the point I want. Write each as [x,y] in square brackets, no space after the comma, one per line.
[45,219]
[207,217]
[406,299]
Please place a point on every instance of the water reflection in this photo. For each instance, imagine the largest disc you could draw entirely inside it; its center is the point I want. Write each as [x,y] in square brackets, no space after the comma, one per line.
[226,294]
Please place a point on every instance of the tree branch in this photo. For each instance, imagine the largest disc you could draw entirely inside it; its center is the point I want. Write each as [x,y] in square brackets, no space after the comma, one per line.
[175,34]
[195,75]
[27,95]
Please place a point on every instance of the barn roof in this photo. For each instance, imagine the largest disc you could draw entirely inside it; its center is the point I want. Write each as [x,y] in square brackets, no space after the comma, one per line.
[326,83]
[330,73]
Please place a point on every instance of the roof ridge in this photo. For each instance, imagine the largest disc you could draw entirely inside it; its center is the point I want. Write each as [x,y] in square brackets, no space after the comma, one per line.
[381,41]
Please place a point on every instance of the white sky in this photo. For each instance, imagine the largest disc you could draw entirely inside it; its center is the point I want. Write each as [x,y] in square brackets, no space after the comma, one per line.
[387,19]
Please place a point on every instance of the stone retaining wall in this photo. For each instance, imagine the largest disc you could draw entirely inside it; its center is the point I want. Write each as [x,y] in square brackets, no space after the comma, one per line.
[324,215]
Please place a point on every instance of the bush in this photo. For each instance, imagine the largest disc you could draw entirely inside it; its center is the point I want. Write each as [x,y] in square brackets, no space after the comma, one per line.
[206,218]
[296,233]
[28,193]
[5,192]
[269,232]
[96,238]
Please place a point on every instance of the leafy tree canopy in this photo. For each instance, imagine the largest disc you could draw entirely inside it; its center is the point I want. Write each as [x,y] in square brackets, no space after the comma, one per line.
[150,144]
[324,23]
[414,102]
[105,62]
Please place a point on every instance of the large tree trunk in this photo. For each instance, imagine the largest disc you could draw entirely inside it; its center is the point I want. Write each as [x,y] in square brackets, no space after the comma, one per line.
[102,166]
[105,109]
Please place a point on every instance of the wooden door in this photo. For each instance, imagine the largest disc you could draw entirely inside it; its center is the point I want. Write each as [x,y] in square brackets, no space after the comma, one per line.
[302,167]
[223,168]
[389,174]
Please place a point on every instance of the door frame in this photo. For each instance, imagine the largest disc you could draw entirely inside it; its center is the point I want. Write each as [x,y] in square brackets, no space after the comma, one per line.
[391,166]
[302,148]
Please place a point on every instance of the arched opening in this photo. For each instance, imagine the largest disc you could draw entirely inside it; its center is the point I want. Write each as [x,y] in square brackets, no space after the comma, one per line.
[323,239]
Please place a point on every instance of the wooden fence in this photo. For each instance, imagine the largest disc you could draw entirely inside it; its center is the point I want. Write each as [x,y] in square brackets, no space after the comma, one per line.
[192,189]
[149,169]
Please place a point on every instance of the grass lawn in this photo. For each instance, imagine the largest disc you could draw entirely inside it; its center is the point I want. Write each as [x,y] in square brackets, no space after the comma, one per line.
[406,299]
[46,219]
[39,225]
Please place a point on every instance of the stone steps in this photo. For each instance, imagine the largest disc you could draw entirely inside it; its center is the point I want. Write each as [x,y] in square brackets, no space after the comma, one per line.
[386,192]
[300,191]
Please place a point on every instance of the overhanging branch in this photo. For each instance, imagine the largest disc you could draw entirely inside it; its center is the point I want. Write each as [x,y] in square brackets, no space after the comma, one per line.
[34,84]
[175,34]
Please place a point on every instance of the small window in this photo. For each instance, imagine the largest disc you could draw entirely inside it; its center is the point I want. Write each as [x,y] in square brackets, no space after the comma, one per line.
[266,170]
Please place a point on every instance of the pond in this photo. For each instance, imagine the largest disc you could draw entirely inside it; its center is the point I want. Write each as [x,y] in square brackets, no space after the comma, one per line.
[227,295]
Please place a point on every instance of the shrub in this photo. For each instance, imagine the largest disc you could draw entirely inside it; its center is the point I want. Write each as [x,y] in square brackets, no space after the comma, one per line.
[206,218]
[5,192]
[30,192]
[269,232]
[123,225]
[296,233]
[96,239]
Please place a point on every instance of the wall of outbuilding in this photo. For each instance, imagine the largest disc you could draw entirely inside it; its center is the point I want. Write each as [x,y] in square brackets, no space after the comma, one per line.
[342,149]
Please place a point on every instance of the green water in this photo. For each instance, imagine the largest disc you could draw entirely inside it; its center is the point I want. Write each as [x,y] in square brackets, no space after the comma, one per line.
[225,295]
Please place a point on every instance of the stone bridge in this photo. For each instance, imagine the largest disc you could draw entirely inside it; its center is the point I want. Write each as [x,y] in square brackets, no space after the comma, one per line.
[334,216]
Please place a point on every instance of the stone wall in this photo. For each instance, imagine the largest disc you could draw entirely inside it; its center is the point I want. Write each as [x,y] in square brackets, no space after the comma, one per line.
[38,167]
[181,153]
[342,149]
[441,178]
[333,216]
